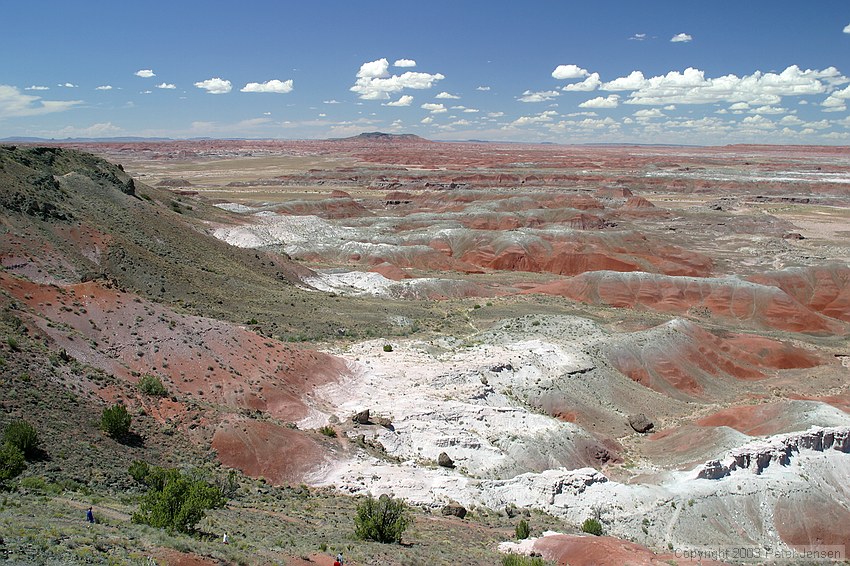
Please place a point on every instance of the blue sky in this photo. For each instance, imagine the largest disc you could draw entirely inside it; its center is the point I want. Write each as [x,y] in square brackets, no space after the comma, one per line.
[559,71]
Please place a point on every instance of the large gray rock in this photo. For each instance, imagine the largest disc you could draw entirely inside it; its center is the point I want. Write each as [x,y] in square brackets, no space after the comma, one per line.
[362,417]
[640,423]
[444,460]
[454,509]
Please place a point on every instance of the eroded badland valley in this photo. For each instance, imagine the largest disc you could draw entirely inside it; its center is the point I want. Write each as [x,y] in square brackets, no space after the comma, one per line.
[656,337]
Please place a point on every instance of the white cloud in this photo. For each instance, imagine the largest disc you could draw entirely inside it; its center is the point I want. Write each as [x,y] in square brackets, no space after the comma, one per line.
[274,86]
[610,101]
[562,72]
[215,85]
[638,37]
[692,87]
[634,81]
[434,108]
[495,114]
[404,63]
[740,106]
[541,96]
[482,88]
[331,101]
[767,109]
[541,118]
[470,110]
[145,73]
[847,28]
[836,101]
[167,86]
[405,100]
[592,82]
[68,85]
[146,92]
[375,83]
[649,113]
[790,121]
[103,87]
[14,104]
[37,87]
[445,94]
[670,107]
[99,130]
[681,38]
[426,120]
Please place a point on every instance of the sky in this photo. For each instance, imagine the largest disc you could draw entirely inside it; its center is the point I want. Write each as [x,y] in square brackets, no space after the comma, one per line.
[561,71]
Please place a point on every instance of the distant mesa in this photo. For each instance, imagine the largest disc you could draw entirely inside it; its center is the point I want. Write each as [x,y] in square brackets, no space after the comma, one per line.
[385,138]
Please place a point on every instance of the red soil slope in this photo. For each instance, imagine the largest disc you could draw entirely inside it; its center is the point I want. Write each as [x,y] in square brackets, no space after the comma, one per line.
[822,289]
[587,550]
[761,306]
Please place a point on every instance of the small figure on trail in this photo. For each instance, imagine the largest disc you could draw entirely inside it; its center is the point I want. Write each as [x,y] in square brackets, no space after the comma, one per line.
[339,560]
[89,516]
[225,539]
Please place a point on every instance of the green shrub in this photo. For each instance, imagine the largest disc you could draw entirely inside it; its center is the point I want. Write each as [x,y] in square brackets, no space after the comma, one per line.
[139,470]
[175,501]
[520,560]
[13,344]
[592,527]
[522,530]
[328,431]
[388,347]
[23,436]
[12,462]
[152,385]
[382,520]
[115,421]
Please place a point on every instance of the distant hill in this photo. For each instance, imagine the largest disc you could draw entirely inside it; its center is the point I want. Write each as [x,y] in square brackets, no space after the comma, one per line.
[382,137]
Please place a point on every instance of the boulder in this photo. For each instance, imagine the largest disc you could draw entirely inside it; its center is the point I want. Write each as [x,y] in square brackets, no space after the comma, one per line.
[362,417]
[454,509]
[444,460]
[640,423]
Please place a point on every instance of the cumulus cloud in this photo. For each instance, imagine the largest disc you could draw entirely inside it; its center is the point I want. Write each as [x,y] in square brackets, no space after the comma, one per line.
[592,82]
[404,63]
[562,72]
[681,38]
[434,108]
[541,118]
[331,101]
[767,109]
[103,87]
[427,120]
[638,37]
[167,86]
[445,94]
[610,101]
[649,113]
[847,28]
[15,104]
[215,85]
[274,86]
[37,87]
[470,110]
[691,86]
[145,73]
[68,85]
[374,81]
[541,96]
[836,101]
[405,100]
[482,88]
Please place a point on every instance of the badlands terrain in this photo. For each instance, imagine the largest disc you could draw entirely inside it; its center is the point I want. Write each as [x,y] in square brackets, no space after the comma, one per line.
[656,337]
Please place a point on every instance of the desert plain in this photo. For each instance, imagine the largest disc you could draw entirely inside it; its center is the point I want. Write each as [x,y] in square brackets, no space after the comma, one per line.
[652,336]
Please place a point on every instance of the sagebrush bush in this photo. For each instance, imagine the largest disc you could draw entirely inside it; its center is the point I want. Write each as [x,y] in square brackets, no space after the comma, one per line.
[115,421]
[522,530]
[520,560]
[139,470]
[592,527]
[12,462]
[388,347]
[328,431]
[175,501]
[382,520]
[23,436]
[152,385]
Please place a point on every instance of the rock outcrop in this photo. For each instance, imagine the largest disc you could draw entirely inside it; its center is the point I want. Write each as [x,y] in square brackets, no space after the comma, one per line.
[758,455]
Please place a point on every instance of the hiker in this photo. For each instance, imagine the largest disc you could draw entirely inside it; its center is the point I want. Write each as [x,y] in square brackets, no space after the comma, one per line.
[339,560]
[225,539]
[90,516]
